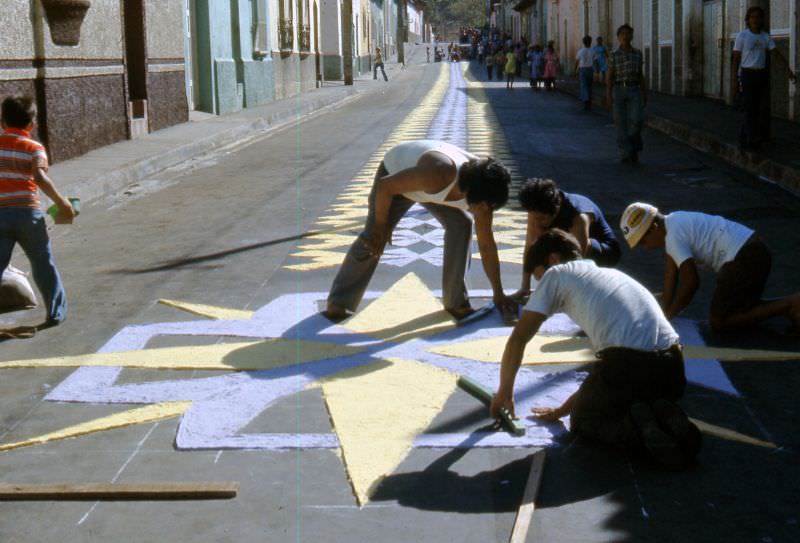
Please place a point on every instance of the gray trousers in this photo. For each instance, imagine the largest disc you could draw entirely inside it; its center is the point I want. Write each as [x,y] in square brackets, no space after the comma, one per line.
[356,271]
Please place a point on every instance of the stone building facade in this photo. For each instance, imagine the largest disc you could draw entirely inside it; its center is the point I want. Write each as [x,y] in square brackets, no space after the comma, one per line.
[118,75]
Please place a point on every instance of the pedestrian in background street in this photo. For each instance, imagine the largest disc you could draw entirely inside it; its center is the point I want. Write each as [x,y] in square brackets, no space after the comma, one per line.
[550,66]
[378,64]
[510,68]
[489,64]
[626,94]
[519,54]
[23,171]
[536,57]
[584,66]
[499,61]
[601,62]
[752,52]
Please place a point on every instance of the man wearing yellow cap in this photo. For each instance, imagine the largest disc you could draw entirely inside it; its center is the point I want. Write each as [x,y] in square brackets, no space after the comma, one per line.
[734,252]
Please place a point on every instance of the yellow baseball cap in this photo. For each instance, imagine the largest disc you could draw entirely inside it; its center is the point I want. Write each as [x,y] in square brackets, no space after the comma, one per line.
[636,221]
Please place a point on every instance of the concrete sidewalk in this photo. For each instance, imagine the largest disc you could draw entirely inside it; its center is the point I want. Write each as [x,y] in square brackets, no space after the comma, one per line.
[713,127]
[109,169]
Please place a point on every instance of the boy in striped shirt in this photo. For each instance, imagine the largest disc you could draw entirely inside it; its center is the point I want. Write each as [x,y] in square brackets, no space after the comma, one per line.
[23,171]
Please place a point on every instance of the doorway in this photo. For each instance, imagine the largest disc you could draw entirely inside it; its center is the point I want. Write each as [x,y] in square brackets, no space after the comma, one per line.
[713,47]
[136,67]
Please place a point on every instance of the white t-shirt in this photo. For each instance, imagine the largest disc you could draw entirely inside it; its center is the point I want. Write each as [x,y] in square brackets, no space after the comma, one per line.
[711,240]
[611,307]
[586,58]
[407,154]
[753,48]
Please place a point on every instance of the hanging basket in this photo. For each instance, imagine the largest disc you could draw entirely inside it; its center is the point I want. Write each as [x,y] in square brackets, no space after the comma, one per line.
[65,18]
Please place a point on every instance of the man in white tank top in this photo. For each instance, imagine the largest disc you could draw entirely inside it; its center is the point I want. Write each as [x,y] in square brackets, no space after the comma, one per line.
[734,252]
[450,183]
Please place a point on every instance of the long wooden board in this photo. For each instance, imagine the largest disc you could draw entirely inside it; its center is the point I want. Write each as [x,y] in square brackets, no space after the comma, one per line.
[522,523]
[120,491]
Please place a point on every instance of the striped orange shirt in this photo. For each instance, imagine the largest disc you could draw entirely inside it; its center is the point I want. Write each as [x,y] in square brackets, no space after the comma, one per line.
[20,157]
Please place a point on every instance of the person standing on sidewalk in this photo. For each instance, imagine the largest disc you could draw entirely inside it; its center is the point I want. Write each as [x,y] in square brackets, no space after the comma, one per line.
[626,94]
[601,62]
[378,64]
[738,256]
[627,399]
[752,51]
[550,66]
[23,171]
[584,66]
[452,185]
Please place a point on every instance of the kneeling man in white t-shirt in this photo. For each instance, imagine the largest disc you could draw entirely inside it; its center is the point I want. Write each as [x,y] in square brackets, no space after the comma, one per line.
[738,256]
[627,399]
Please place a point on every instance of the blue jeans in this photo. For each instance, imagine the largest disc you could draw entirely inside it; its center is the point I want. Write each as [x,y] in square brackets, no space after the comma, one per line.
[586,76]
[27,227]
[628,116]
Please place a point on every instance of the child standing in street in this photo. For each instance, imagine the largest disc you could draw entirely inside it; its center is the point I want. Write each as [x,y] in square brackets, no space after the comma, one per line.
[23,171]
[550,66]
[510,69]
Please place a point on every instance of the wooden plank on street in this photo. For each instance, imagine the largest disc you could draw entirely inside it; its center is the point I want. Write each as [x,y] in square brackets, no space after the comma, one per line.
[519,534]
[120,491]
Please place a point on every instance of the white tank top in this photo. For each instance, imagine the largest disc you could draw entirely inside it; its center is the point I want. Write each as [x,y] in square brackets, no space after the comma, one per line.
[406,155]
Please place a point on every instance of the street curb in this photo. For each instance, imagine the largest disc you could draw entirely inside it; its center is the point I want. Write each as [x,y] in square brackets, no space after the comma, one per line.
[764,168]
[105,183]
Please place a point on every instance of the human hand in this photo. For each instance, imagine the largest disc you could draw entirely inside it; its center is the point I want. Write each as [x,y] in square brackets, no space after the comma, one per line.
[521,296]
[66,213]
[792,76]
[547,414]
[505,304]
[501,403]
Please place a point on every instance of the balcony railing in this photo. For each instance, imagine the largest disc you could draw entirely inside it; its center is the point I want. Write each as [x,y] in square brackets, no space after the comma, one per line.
[305,38]
[286,34]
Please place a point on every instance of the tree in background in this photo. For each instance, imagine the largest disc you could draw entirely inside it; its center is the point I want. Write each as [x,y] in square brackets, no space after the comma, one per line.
[447,17]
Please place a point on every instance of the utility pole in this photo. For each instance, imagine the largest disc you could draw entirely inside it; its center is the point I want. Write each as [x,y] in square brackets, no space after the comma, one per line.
[402,28]
[347,41]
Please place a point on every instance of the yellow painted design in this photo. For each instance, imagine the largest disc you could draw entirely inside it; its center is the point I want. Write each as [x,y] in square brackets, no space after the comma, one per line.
[378,410]
[319,259]
[325,250]
[243,356]
[730,435]
[150,413]
[209,311]
[573,350]
[540,350]
[407,310]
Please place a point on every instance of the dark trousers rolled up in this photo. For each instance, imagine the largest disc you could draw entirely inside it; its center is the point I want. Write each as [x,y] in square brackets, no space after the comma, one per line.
[755,101]
[620,378]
